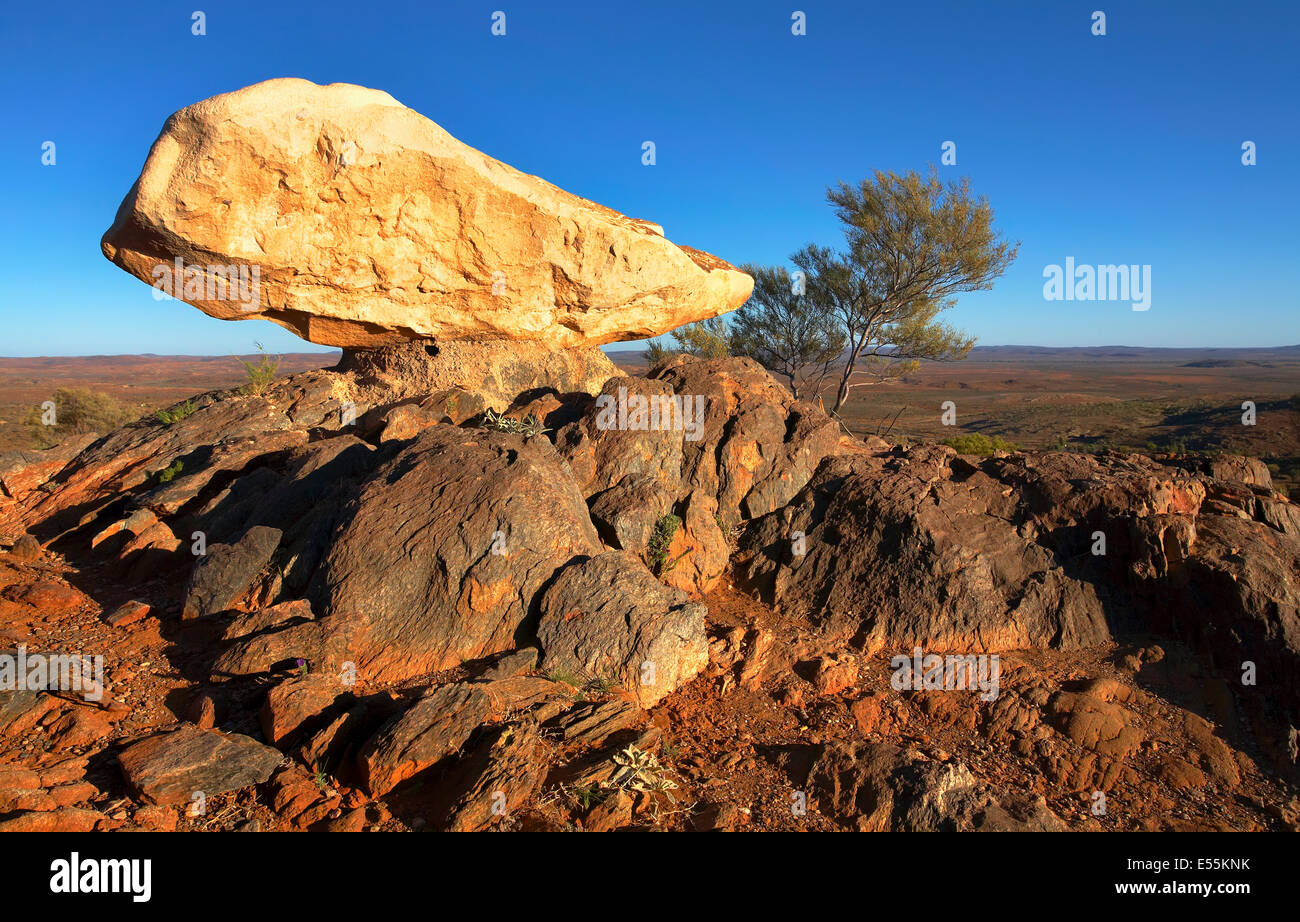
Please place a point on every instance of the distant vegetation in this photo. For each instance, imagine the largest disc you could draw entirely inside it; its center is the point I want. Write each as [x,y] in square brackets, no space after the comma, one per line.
[978,444]
[76,411]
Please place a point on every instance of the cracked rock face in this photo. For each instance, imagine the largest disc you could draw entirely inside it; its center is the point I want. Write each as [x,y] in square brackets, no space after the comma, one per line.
[342,215]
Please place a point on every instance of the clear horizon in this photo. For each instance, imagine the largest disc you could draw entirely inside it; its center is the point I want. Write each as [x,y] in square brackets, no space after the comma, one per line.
[1122,149]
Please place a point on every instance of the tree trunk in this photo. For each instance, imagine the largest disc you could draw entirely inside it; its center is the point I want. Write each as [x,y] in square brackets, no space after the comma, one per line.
[842,392]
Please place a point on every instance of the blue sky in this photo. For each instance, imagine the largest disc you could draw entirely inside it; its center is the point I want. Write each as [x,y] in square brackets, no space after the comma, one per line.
[1117,149]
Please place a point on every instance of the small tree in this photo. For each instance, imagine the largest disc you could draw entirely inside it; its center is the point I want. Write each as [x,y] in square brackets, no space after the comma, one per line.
[913,243]
[709,339]
[261,374]
[786,330]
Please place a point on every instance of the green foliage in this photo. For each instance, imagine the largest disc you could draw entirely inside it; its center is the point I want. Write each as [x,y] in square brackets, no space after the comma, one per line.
[787,331]
[177,413]
[261,373]
[979,444]
[566,677]
[707,339]
[166,476]
[589,795]
[77,411]
[640,771]
[912,244]
[530,425]
[660,540]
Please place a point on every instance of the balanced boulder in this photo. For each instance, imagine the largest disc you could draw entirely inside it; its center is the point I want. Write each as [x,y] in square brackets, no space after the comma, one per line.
[344,216]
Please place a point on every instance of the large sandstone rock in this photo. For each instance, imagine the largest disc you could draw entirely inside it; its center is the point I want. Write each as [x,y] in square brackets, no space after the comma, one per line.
[368,225]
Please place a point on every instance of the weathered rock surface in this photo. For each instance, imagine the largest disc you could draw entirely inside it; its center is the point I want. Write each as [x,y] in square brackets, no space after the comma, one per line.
[227,571]
[434,727]
[904,552]
[371,225]
[300,704]
[879,787]
[170,768]
[923,548]
[608,618]
[447,546]
[740,448]
[498,779]
[492,372]
[325,645]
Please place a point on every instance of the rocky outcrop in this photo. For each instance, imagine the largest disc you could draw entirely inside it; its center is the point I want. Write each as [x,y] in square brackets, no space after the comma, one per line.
[367,224]
[880,787]
[608,618]
[446,546]
[902,551]
[172,768]
[922,548]
[434,727]
[714,442]
[492,372]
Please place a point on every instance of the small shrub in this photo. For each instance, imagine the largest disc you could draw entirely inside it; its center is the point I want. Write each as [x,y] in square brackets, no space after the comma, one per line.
[177,413]
[979,444]
[566,677]
[660,541]
[170,473]
[589,795]
[529,426]
[641,772]
[260,373]
[78,411]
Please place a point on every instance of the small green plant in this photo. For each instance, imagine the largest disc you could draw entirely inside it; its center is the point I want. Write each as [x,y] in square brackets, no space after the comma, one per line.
[640,771]
[979,444]
[566,677]
[529,426]
[260,373]
[169,474]
[589,795]
[602,686]
[660,541]
[177,413]
[321,780]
